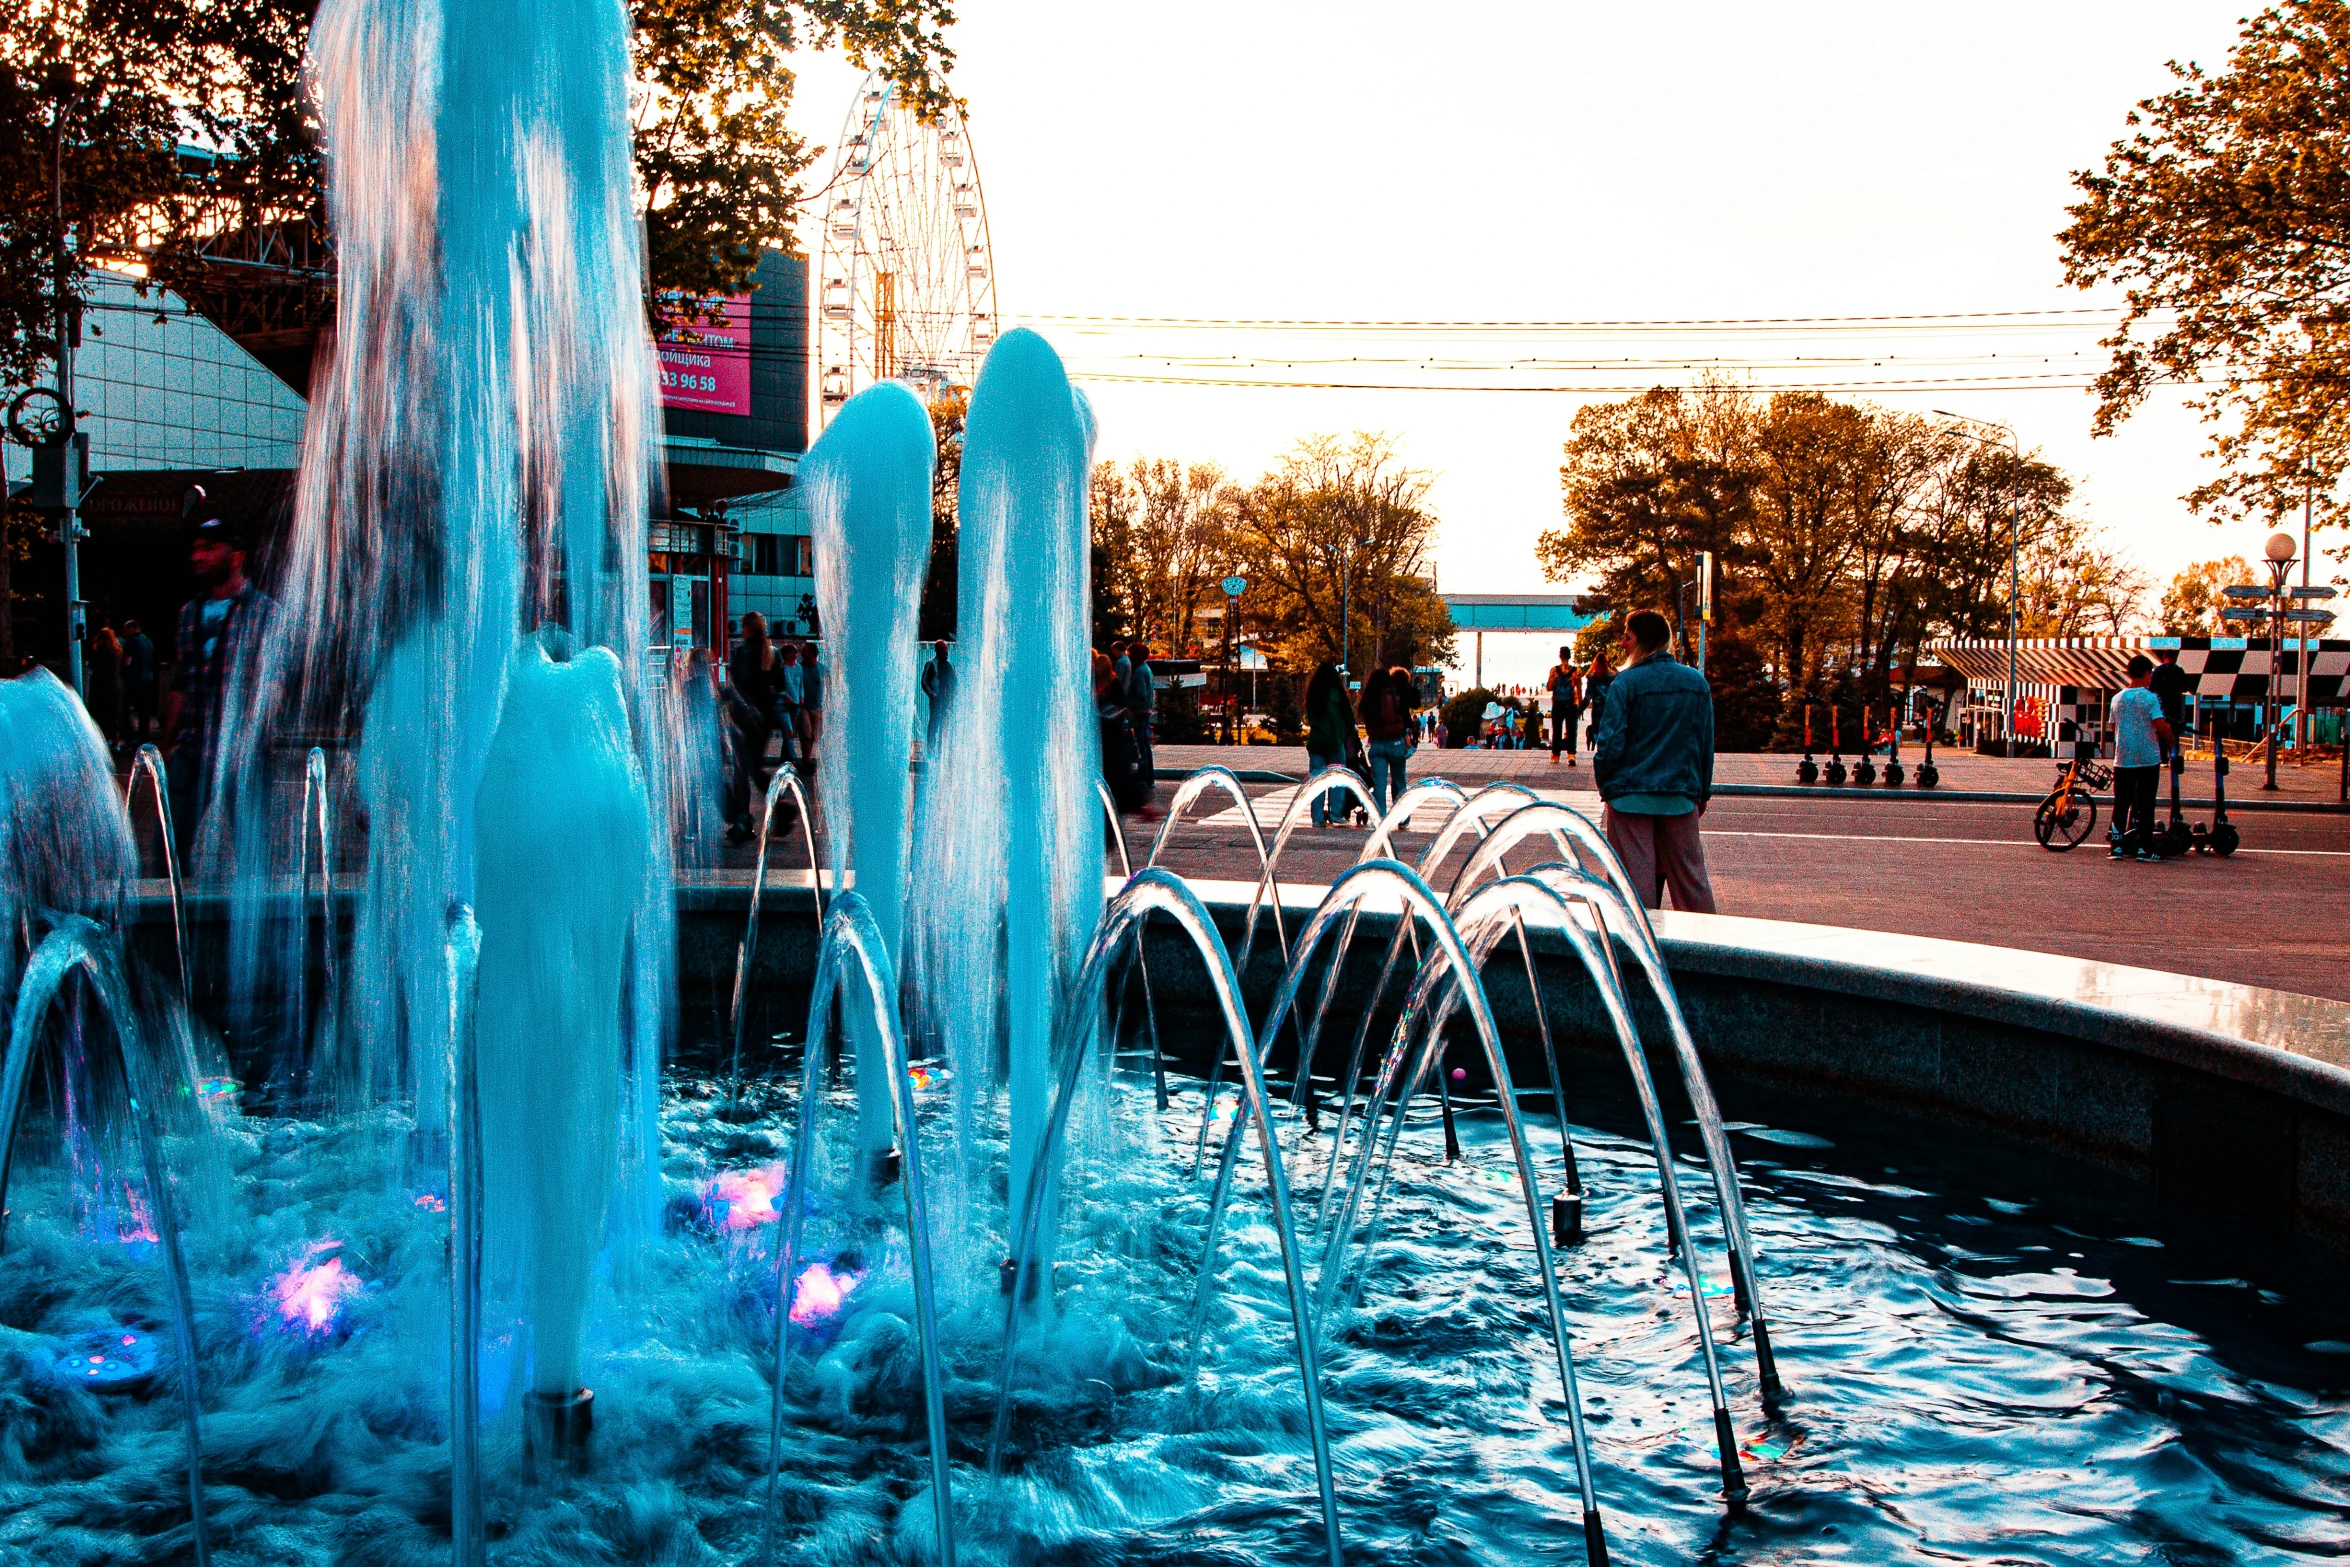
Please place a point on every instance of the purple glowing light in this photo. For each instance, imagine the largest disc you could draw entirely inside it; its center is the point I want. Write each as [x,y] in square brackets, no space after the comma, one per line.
[819,1294]
[745,1199]
[310,1295]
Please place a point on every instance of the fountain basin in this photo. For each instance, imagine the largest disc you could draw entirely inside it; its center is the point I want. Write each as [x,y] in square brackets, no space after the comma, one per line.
[2024,1338]
[2220,1097]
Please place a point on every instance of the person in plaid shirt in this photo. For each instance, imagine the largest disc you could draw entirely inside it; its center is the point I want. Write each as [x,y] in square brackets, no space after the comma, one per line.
[215,627]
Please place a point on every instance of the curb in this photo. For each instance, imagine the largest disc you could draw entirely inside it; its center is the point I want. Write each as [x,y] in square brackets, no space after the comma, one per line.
[2011,797]
[1908,793]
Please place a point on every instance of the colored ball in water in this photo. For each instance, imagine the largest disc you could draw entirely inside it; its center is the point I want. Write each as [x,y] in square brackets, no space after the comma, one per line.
[1460,1074]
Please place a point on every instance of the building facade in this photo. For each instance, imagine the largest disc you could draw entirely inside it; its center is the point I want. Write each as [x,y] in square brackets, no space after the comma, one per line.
[173,403]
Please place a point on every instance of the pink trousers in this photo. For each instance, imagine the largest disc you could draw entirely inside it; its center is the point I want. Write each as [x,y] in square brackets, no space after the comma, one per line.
[1660,852]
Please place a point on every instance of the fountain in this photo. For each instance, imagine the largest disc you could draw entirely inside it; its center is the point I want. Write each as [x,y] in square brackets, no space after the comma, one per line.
[376,1176]
[868,484]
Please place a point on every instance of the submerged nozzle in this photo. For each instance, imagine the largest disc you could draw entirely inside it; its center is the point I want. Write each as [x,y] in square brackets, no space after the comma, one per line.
[558,1429]
[1566,1219]
[881,1168]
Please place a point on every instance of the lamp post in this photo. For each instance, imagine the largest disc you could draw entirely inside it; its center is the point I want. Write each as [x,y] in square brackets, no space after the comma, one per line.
[2015,571]
[2304,731]
[69,331]
[1346,619]
[2280,554]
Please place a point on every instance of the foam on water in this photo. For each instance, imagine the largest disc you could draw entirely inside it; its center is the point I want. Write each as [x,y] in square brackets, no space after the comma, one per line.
[1952,1393]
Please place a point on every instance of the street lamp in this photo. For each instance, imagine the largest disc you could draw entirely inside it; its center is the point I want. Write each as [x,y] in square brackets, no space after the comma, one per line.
[2015,573]
[2280,553]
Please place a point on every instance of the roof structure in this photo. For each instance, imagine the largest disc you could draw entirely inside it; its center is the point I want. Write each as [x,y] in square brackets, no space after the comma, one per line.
[2233,668]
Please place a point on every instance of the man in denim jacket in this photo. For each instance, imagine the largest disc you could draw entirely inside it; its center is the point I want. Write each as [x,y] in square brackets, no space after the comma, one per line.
[1652,753]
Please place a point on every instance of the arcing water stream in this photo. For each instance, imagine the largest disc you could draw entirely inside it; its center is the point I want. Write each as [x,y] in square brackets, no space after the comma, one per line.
[453,1258]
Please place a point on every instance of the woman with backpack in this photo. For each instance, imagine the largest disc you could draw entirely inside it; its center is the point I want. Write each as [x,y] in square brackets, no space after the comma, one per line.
[1387,717]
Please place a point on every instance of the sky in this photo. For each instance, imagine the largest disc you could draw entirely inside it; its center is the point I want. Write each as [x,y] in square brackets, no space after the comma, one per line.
[1556,162]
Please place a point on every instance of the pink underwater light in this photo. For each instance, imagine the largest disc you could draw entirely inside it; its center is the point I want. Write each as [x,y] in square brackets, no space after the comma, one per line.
[310,1294]
[819,1293]
[745,1199]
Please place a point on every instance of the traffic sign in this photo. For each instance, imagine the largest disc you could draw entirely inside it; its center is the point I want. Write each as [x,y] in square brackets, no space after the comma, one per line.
[2233,613]
[2245,590]
[2313,593]
[2315,617]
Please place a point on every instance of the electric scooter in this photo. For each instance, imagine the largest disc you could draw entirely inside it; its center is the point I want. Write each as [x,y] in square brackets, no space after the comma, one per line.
[1807,771]
[1835,773]
[2221,837]
[1893,768]
[1928,774]
[1864,772]
[2176,837]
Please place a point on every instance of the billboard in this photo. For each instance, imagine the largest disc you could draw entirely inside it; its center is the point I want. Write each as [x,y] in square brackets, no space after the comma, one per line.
[705,359]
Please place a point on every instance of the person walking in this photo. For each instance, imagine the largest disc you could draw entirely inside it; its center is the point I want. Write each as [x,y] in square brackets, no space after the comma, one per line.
[217,628]
[791,708]
[1120,760]
[1142,706]
[2142,736]
[138,683]
[1330,728]
[2170,686]
[1597,678]
[750,717]
[1652,755]
[1566,685]
[104,679]
[938,684]
[1387,718]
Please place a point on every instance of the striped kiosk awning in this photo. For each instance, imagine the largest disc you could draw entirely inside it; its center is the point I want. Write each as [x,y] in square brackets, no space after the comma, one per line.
[2225,669]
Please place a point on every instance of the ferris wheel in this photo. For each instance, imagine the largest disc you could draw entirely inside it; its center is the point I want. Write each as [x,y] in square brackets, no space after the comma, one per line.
[908,274]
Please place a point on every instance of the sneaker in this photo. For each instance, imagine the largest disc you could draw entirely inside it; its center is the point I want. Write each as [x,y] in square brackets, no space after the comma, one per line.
[2115,853]
[2149,857]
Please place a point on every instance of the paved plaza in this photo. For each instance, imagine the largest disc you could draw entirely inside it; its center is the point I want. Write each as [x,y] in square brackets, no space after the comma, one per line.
[1940,864]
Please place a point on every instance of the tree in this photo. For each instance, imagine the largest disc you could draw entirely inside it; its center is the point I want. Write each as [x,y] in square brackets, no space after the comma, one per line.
[2074,586]
[1177,542]
[1805,537]
[2192,602]
[1648,484]
[941,585]
[1341,524]
[89,130]
[2226,214]
[716,164]
[1844,536]
[1109,516]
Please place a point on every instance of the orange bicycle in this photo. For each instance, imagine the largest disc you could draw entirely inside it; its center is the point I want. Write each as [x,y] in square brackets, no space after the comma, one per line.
[2069,814]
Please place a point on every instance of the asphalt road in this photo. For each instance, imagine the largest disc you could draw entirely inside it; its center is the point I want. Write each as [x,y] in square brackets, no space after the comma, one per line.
[2275,914]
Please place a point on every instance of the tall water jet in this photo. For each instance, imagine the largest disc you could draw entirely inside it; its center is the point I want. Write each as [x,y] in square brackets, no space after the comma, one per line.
[868,487]
[563,824]
[476,462]
[1011,804]
[65,840]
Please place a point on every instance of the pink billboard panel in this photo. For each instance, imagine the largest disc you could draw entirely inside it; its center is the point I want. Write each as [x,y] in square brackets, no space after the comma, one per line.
[705,359]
